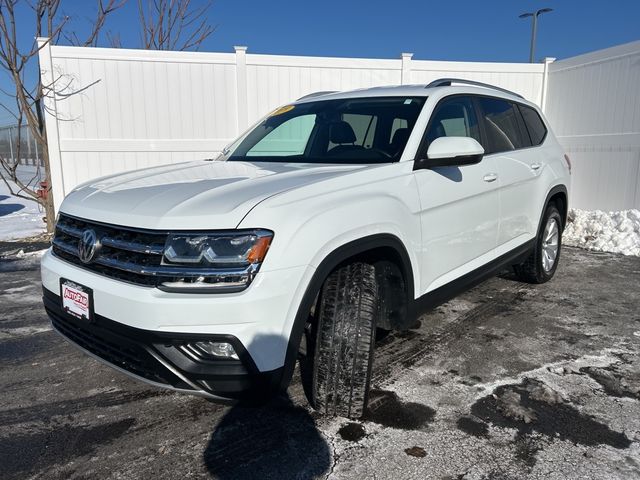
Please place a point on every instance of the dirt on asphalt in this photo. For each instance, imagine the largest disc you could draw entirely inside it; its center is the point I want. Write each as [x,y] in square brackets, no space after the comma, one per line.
[506,381]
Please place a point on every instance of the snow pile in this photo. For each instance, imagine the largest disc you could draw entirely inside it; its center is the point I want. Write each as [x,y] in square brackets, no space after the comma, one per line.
[615,232]
[20,218]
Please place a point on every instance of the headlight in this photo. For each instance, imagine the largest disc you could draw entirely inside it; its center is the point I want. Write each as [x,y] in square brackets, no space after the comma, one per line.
[217,250]
[226,260]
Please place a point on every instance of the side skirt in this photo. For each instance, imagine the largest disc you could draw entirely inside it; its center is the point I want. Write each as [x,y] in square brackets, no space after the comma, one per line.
[442,294]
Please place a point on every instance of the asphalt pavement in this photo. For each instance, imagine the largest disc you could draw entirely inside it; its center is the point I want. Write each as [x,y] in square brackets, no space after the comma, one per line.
[508,380]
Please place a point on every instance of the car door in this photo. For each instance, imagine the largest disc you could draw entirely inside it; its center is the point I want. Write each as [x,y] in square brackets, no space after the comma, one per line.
[459,205]
[518,167]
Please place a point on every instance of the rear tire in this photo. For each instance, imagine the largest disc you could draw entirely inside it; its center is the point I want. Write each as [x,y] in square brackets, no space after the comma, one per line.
[543,261]
[344,344]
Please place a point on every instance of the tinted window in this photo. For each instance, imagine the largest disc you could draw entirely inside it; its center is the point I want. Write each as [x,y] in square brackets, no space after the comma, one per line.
[398,124]
[501,124]
[535,125]
[287,139]
[364,127]
[350,130]
[455,117]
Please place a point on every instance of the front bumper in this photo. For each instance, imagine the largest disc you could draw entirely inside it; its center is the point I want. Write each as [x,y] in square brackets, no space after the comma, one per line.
[157,358]
[260,317]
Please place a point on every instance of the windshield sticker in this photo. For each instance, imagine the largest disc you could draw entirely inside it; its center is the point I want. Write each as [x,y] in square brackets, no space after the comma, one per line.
[281,110]
[407,101]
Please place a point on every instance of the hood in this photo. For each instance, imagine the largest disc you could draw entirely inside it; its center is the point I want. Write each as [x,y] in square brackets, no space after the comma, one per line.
[192,196]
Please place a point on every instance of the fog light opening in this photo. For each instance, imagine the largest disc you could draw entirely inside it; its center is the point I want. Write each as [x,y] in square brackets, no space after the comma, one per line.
[216,349]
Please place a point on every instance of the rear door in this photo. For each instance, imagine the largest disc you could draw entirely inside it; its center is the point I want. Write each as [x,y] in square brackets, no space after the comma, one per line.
[518,166]
[459,205]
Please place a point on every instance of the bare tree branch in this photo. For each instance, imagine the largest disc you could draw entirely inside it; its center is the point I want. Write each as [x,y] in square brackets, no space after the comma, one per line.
[75,92]
[8,110]
[29,95]
[174,24]
[103,12]
[114,40]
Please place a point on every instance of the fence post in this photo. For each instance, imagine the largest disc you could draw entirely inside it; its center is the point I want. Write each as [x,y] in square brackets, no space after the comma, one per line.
[405,77]
[241,88]
[545,83]
[51,122]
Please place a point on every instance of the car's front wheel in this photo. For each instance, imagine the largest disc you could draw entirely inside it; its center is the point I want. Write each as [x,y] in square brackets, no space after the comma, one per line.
[344,342]
[543,261]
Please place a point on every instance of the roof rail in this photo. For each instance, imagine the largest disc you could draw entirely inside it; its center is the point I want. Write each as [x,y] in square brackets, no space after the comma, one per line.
[316,94]
[446,82]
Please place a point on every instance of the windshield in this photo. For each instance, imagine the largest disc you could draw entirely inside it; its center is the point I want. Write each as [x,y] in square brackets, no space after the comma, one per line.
[353,130]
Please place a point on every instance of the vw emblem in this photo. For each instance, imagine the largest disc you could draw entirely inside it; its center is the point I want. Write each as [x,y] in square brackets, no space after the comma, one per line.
[87,246]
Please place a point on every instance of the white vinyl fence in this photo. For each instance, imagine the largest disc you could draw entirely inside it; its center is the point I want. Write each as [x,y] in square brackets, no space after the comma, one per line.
[593,105]
[117,110]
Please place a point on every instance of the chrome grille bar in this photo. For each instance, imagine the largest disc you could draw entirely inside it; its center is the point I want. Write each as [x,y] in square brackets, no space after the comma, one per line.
[132,246]
[69,230]
[112,242]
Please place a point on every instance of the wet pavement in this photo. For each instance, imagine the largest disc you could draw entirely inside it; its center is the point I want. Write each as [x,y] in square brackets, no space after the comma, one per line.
[508,380]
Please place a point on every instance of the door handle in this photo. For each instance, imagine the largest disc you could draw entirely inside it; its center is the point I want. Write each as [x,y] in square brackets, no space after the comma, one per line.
[535,166]
[490,177]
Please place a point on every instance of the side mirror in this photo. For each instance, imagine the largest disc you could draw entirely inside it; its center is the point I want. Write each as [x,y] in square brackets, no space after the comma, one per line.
[452,152]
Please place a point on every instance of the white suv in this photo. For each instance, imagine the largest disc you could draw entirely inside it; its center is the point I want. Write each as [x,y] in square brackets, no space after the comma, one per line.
[335,216]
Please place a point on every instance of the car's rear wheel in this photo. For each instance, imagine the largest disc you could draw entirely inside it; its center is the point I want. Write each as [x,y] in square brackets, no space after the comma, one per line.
[541,265]
[345,337]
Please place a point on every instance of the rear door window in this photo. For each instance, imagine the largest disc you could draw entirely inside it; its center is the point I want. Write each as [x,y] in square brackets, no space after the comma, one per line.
[501,124]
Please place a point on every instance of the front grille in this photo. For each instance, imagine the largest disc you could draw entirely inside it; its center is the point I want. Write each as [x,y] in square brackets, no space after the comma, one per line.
[117,351]
[125,254]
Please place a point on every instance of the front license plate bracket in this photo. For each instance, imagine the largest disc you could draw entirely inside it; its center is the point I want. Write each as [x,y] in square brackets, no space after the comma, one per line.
[76,300]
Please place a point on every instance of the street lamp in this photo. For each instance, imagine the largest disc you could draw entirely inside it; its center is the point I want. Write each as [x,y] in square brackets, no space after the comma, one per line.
[534,28]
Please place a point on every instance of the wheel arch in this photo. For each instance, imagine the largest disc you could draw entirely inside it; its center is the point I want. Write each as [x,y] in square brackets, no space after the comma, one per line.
[370,248]
[561,201]
[558,195]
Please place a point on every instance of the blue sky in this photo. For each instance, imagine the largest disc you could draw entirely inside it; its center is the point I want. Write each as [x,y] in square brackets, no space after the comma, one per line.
[480,30]
[451,30]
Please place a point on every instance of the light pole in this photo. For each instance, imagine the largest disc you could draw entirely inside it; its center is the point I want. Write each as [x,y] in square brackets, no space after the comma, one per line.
[534,28]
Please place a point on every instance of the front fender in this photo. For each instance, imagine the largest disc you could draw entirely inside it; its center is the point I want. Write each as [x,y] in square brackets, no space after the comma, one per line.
[311,222]
[322,225]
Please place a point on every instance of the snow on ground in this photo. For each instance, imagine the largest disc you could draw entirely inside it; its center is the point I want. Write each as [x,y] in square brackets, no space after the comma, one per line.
[12,262]
[615,232]
[20,218]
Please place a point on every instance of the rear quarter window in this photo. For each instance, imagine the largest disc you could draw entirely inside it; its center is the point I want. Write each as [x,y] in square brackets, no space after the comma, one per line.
[534,124]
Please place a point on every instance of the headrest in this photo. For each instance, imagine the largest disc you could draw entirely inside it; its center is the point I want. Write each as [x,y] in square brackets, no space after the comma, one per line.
[400,137]
[341,132]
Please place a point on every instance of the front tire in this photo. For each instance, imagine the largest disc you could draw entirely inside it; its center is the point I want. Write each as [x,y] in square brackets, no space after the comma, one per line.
[543,261]
[345,339]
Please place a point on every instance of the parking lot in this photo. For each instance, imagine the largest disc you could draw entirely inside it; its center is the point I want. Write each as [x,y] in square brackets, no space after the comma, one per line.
[506,381]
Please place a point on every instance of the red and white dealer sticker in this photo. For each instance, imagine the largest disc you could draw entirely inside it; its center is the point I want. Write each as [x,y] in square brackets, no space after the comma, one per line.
[76,300]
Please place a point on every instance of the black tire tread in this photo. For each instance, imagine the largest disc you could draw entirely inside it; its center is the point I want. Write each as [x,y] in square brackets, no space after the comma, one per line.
[345,339]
